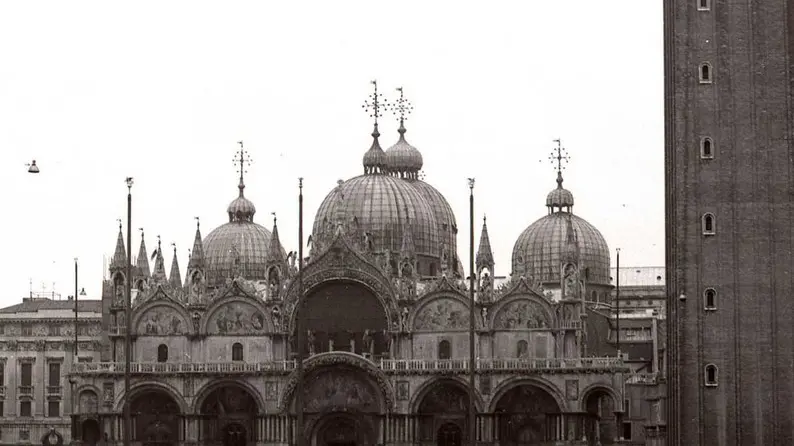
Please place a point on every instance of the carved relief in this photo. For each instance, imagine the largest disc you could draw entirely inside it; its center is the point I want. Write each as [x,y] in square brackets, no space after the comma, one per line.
[521,314]
[89,402]
[108,393]
[403,391]
[237,318]
[571,282]
[161,320]
[336,389]
[271,391]
[442,314]
[572,389]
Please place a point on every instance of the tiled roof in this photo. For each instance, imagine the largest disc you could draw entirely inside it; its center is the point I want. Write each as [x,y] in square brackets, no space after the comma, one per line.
[34,305]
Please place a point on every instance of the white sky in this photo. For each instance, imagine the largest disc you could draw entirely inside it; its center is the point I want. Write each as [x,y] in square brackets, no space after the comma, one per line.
[161,91]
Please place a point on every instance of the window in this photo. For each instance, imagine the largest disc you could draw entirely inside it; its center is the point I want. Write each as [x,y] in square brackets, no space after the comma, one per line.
[711,375]
[237,352]
[522,349]
[2,373]
[444,350]
[2,409]
[27,330]
[626,407]
[706,148]
[55,330]
[710,299]
[709,226]
[55,374]
[627,430]
[26,369]
[53,409]
[704,5]
[705,73]
[24,408]
[162,353]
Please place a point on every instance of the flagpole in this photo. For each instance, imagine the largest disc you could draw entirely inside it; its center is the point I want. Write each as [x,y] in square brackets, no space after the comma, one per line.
[617,303]
[299,326]
[74,361]
[472,408]
[127,317]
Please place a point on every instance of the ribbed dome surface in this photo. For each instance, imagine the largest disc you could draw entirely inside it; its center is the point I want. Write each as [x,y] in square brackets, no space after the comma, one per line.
[445,218]
[247,241]
[538,252]
[379,203]
[559,198]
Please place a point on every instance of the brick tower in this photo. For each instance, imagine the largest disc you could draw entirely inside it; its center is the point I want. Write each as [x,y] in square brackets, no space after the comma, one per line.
[729,189]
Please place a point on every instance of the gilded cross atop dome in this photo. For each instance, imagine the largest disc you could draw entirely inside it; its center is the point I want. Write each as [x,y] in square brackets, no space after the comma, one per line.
[401,108]
[375,103]
[242,159]
[558,156]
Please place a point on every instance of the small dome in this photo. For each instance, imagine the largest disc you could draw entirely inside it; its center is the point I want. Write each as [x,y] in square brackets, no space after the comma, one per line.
[559,198]
[379,204]
[374,159]
[539,252]
[403,159]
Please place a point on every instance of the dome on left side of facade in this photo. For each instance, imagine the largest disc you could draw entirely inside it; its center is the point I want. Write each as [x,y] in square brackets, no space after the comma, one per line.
[239,246]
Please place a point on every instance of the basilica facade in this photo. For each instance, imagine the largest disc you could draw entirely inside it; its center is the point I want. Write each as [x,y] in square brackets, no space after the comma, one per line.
[386,308]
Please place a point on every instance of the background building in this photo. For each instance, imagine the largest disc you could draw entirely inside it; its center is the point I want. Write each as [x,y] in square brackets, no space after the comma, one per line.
[728,70]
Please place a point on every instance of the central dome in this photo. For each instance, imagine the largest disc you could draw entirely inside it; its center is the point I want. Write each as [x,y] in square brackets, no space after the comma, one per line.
[385,207]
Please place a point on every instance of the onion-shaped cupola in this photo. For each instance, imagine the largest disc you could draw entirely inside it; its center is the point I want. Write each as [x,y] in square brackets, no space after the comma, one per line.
[542,248]
[375,159]
[239,247]
[403,159]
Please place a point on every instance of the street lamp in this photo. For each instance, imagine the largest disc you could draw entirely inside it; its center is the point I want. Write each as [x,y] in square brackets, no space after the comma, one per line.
[127,316]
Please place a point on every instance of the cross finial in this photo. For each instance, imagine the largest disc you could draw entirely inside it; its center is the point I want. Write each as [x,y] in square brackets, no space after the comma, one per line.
[274,218]
[198,223]
[375,103]
[242,159]
[174,245]
[159,241]
[141,229]
[559,155]
[401,109]
[119,220]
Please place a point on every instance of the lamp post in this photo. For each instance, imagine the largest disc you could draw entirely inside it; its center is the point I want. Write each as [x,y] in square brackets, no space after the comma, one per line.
[127,316]
[299,325]
[472,408]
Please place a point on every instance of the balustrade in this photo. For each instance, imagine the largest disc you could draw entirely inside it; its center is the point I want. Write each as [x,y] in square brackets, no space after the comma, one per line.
[54,390]
[25,390]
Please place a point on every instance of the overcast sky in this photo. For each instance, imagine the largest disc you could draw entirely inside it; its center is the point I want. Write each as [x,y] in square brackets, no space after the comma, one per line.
[162,91]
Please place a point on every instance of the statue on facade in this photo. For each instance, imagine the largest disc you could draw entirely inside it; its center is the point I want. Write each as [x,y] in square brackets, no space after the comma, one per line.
[404,319]
[310,340]
[570,282]
[388,338]
[276,316]
[484,312]
[366,342]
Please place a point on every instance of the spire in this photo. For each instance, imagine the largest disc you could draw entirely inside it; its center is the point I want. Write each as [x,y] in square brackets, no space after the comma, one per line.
[120,255]
[401,109]
[407,248]
[175,278]
[158,275]
[275,251]
[484,252]
[375,158]
[241,209]
[142,264]
[197,254]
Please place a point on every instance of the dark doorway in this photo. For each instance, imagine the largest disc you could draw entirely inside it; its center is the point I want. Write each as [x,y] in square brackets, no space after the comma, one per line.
[234,435]
[449,434]
[90,431]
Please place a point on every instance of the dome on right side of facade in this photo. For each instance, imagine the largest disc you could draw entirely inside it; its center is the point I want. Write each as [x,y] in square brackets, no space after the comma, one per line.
[540,250]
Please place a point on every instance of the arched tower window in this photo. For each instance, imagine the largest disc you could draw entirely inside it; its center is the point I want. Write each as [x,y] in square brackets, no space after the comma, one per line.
[704,5]
[444,350]
[710,299]
[710,375]
[709,224]
[237,352]
[706,148]
[705,73]
[162,353]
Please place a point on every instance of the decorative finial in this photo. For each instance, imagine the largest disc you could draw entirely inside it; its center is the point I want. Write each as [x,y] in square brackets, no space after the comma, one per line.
[274,218]
[242,159]
[300,183]
[174,245]
[401,109]
[374,105]
[471,184]
[198,223]
[119,220]
[484,218]
[141,229]
[558,157]
[158,244]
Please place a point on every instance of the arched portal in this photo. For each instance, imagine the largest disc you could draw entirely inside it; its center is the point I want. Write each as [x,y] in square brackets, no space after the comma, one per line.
[343,429]
[89,431]
[229,416]
[601,425]
[155,418]
[443,414]
[522,413]
[345,316]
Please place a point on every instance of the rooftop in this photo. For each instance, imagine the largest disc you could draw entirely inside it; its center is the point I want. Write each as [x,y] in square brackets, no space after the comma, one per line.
[45,304]
[639,276]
